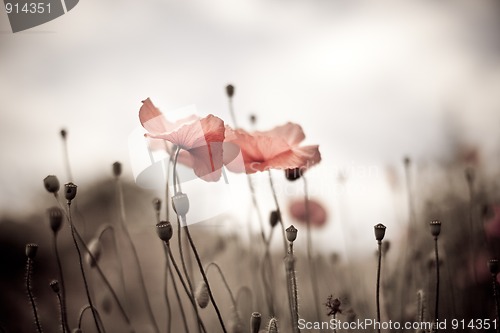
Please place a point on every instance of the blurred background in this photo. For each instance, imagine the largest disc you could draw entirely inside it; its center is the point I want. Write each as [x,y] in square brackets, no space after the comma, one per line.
[370,82]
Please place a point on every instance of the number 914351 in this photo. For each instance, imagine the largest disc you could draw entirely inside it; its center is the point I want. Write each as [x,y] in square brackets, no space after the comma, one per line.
[474,324]
[27,8]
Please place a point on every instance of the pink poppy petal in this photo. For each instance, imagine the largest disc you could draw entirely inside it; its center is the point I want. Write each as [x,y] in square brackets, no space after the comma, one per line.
[301,157]
[151,118]
[292,133]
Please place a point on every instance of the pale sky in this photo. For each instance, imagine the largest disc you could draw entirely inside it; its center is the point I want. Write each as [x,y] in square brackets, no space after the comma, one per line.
[368,81]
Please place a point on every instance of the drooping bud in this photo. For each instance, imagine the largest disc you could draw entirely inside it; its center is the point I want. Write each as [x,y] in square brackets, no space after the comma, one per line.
[435,228]
[51,184]
[274,218]
[164,230]
[157,204]
[180,202]
[55,218]
[379,232]
[201,295]
[117,169]
[94,254]
[493,266]
[63,133]
[54,284]
[70,191]
[293,174]
[230,90]
[291,233]
[255,322]
[31,250]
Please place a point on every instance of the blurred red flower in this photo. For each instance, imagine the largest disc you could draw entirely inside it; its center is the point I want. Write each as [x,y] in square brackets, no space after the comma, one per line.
[277,148]
[200,139]
[317,212]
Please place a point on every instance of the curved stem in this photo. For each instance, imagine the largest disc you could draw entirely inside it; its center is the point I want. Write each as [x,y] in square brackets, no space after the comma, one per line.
[379,267]
[233,300]
[165,290]
[112,229]
[82,270]
[294,291]
[82,312]
[312,266]
[273,190]
[64,315]
[31,297]
[242,290]
[142,284]
[63,322]
[66,159]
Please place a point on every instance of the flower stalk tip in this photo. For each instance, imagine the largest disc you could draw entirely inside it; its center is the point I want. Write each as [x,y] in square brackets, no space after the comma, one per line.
[117,169]
[230,90]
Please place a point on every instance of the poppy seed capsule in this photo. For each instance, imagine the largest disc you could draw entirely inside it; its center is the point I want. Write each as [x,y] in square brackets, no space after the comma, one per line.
[31,250]
[274,218]
[54,284]
[157,204]
[293,174]
[291,233]
[255,322]
[180,202]
[51,184]
[117,169]
[164,230]
[55,218]
[70,191]
[230,90]
[201,295]
[379,232]
[435,228]
[493,266]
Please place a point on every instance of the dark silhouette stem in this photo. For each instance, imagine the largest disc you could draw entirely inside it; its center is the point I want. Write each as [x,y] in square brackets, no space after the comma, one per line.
[379,267]
[64,315]
[31,297]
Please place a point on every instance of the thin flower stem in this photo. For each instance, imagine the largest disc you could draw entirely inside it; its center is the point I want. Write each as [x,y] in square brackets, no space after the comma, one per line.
[67,164]
[179,275]
[436,308]
[224,281]
[165,290]
[472,240]
[117,252]
[184,268]
[82,312]
[379,268]
[64,315]
[63,322]
[312,266]
[142,284]
[29,266]
[293,291]
[231,111]
[273,190]
[200,266]
[82,270]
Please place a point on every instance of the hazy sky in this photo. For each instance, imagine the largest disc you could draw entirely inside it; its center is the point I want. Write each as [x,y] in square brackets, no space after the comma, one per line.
[368,81]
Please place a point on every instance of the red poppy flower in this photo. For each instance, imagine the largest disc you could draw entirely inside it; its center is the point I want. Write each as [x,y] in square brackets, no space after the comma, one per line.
[200,139]
[274,149]
[317,212]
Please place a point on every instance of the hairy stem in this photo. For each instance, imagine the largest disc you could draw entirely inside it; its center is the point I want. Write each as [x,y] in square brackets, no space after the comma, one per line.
[30,295]
[64,315]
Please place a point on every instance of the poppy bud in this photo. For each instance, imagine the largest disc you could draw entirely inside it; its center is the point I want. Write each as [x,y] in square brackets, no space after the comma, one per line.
[435,228]
[117,169]
[54,284]
[493,266]
[70,191]
[55,218]
[273,326]
[293,174]
[164,230]
[31,250]
[253,119]
[379,232]
[201,295]
[51,184]
[230,90]
[255,322]
[274,218]
[94,253]
[180,202]
[291,233]
[157,204]
[63,133]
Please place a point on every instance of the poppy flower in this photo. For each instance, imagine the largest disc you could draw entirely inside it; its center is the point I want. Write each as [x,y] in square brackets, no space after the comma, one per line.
[200,139]
[317,212]
[277,148]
